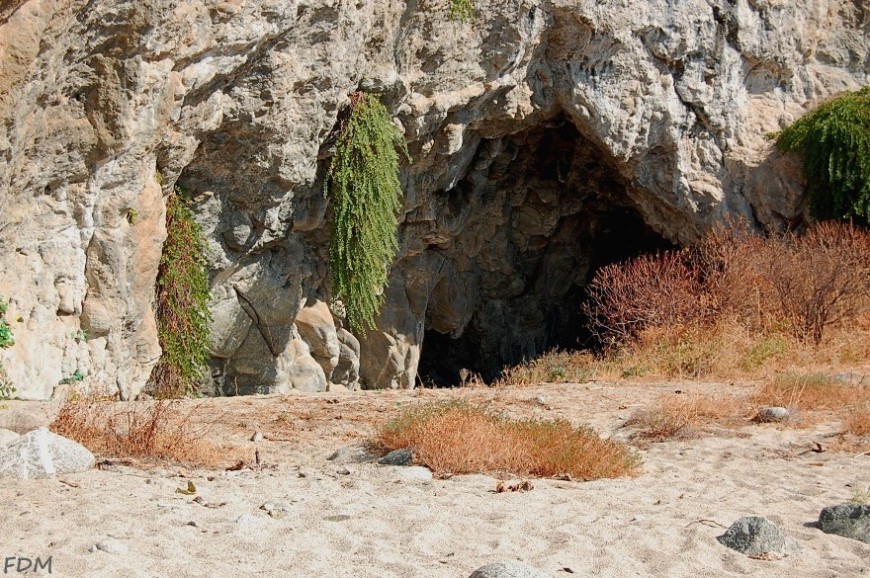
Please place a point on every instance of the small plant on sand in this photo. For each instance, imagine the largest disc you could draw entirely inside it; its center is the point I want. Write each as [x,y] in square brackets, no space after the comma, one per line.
[462,438]
[158,430]
[834,143]
[182,304]
[681,415]
[363,183]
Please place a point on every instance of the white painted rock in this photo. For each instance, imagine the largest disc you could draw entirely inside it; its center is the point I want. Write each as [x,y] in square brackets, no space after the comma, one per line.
[7,437]
[507,569]
[41,454]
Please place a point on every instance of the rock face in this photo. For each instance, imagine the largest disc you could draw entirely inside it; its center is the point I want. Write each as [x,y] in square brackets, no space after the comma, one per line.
[41,453]
[541,132]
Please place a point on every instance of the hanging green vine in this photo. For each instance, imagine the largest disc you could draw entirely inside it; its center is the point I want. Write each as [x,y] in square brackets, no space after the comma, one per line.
[182,303]
[363,182]
[834,143]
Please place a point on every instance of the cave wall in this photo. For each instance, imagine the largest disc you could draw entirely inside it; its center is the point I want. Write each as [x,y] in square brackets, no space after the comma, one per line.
[236,101]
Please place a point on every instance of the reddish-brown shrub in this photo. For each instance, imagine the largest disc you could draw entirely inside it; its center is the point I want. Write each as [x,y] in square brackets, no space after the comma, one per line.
[463,438]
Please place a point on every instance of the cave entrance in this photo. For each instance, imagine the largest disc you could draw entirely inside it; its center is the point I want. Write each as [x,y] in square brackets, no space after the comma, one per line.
[541,211]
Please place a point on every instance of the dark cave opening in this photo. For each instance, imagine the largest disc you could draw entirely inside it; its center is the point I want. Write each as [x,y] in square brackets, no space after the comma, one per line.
[565,213]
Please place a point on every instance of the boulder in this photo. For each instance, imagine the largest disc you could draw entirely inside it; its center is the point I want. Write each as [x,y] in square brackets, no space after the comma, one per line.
[848,520]
[754,536]
[507,569]
[41,454]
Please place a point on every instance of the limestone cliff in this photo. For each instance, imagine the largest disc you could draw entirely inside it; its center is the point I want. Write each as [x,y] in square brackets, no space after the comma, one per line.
[544,133]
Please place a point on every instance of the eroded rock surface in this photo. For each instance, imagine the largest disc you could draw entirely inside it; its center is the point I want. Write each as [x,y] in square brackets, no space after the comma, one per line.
[538,130]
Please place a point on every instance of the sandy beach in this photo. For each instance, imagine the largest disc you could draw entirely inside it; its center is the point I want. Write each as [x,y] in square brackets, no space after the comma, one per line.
[345,518]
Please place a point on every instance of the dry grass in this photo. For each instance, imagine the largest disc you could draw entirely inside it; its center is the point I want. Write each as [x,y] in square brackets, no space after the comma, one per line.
[810,392]
[858,421]
[460,438]
[151,431]
[681,415]
[552,367]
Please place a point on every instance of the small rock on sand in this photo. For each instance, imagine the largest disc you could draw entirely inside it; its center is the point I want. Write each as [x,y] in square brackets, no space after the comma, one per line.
[111,546]
[507,569]
[773,415]
[402,457]
[351,455]
[848,520]
[754,536]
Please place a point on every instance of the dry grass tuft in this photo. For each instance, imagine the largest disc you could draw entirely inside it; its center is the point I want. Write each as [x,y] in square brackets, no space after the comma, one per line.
[150,431]
[680,416]
[552,367]
[858,421]
[813,391]
[461,438]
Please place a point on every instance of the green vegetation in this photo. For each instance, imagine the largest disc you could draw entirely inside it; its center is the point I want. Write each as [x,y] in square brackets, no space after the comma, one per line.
[461,10]
[834,143]
[363,181]
[76,377]
[6,337]
[7,390]
[182,303]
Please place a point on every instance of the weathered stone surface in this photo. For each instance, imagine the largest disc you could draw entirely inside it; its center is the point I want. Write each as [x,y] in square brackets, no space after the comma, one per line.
[41,453]
[507,569]
[7,437]
[401,457]
[849,520]
[773,415]
[351,455]
[538,131]
[754,535]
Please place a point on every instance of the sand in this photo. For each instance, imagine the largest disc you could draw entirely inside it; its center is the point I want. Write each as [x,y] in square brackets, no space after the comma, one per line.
[374,522]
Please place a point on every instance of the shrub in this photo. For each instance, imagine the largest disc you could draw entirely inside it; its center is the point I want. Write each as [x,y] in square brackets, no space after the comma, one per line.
[802,284]
[681,415]
[649,291]
[810,392]
[833,142]
[363,181]
[461,10]
[6,337]
[182,304]
[145,430]
[552,367]
[462,438]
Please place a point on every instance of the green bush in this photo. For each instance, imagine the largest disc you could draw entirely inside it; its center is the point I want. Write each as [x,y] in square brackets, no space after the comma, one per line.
[182,304]
[461,10]
[363,182]
[834,144]
[6,337]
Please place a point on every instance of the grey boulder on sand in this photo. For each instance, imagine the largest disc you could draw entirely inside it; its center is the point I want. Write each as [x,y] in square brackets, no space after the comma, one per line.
[507,569]
[753,536]
[41,454]
[848,520]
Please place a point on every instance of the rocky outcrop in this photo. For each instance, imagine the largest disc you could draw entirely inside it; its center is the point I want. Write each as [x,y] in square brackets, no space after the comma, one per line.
[541,131]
